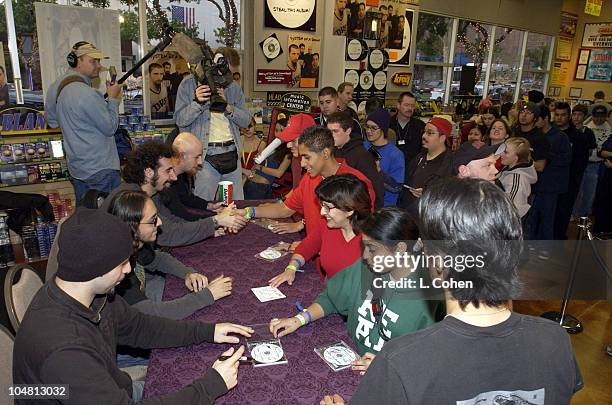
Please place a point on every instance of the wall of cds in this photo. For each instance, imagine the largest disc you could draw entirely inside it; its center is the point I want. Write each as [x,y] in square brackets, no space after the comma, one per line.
[287,44]
[366,69]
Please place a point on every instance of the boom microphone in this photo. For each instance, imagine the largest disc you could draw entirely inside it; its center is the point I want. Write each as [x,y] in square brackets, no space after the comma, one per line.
[268,151]
[187,48]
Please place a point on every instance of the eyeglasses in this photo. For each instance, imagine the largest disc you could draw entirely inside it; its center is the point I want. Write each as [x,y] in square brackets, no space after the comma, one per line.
[153,220]
[371,129]
[327,207]
[428,132]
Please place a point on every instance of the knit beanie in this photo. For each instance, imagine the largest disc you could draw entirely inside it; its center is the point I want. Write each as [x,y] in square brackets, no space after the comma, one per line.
[91,243]
[381,117]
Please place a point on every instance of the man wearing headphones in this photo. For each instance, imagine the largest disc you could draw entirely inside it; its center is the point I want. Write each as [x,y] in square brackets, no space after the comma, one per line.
[88,121]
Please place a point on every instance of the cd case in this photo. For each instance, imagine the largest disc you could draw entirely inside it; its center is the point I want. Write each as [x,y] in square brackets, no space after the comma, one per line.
[337,355]
[265,349]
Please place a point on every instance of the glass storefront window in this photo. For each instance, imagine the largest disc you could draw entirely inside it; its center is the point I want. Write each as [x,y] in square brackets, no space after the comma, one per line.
[506,62]
[428,82]
[537,52]
[532,81]
[471,49]
[433,38]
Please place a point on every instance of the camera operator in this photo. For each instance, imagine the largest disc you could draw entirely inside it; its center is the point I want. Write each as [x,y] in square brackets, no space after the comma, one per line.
[218,131]
[88,122]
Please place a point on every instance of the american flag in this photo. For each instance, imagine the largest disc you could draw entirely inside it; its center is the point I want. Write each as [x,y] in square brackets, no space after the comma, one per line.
[185,15]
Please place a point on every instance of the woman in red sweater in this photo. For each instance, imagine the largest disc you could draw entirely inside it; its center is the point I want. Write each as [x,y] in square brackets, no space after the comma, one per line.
[345,202]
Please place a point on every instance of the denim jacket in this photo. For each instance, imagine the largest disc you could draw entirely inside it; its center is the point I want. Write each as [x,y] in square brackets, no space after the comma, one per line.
[194,117]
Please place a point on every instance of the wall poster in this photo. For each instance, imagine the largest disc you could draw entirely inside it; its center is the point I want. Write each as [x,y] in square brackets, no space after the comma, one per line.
[304,60]
[300,15]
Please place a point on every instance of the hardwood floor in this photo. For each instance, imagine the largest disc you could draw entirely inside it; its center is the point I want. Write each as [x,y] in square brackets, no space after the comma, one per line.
[589,346]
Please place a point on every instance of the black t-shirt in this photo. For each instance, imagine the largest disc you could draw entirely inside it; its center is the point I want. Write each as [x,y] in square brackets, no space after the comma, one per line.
[524,360]
[540,145]
[422,173]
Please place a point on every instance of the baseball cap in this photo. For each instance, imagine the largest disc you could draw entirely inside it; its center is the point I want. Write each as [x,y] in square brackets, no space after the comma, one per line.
[531,107]
[90,50]
[475,150]
[599,109]
[295,126]
[444,126]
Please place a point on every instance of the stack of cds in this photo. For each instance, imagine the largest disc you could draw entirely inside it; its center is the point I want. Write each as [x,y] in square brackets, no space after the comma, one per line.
[44,241]
[30,243]
[136,121]
[61,207]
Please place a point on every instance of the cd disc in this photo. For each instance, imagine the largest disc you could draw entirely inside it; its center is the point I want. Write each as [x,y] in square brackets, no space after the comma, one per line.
[352,76]
[291,13]
[270,254]
[267,353]
[380,80]
[366,80]
[339,356]
[271,47]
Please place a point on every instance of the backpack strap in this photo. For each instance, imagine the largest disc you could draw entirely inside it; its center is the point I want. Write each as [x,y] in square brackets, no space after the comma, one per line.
[66,82]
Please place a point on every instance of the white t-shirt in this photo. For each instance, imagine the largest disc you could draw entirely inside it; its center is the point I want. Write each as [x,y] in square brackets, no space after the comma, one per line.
[220,130]
[602,133]
[159,101]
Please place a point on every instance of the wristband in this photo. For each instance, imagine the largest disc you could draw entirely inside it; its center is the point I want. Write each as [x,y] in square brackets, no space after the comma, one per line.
[291,267]
[309,316]
[299,262]
[301,319]
[249,213]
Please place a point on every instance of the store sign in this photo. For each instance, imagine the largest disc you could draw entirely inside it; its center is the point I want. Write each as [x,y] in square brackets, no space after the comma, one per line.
[296,102]
[597,35]
[401,78]
[23,120]
[275,98]
[593,7]
[273,76]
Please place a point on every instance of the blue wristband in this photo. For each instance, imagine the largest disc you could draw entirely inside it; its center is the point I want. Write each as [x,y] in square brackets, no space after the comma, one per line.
[300,308]
[309,316]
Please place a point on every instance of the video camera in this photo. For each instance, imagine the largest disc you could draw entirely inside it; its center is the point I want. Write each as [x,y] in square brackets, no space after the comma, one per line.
[212,70]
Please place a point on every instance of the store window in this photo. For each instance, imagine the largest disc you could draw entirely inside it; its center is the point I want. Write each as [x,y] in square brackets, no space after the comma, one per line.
[434,36]
[471,50]
[532,81]
[506,63]
[428,82]
[537,52]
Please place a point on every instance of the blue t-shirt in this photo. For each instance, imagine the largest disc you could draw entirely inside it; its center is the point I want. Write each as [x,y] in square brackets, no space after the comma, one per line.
[392,170]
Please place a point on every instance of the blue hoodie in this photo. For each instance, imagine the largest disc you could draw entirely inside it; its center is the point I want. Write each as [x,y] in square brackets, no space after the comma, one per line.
[555,177]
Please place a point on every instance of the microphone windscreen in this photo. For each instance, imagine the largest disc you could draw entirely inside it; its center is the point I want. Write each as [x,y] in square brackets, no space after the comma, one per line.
[268,151]
[187,48]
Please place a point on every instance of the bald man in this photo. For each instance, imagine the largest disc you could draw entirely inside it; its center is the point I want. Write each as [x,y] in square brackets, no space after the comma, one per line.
[187,160]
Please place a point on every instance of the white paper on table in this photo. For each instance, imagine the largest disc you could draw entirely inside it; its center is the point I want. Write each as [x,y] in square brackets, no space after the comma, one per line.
[267,293]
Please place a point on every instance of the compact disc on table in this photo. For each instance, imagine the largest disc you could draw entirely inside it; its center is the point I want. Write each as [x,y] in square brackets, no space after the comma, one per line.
[270,254]
[267,353]
[339,356]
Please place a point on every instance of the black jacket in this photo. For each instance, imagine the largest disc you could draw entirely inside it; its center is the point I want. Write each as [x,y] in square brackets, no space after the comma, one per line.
[79,345]
[179,198]
[409,138]
[359,158]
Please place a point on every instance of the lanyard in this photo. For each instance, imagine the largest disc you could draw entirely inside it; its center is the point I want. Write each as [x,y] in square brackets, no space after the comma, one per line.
[244,162]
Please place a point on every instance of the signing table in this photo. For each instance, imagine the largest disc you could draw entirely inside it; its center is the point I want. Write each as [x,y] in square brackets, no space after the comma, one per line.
[306,378]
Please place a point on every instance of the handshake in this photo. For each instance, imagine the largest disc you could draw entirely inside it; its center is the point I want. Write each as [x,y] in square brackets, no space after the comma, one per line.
[228,218]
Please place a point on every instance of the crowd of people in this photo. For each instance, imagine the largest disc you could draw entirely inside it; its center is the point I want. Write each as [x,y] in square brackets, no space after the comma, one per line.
[366,191]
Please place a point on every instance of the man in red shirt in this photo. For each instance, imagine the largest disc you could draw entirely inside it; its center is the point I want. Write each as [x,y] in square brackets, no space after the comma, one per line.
[316,151]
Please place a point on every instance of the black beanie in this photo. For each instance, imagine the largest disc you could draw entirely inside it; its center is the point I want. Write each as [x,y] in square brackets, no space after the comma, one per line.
[91,243]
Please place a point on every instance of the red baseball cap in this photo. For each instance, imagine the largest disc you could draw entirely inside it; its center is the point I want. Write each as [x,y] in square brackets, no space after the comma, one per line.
[444,126]
[295,126]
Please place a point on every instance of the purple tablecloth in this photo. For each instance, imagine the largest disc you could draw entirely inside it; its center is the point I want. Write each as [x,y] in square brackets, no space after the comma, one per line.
[305,379]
